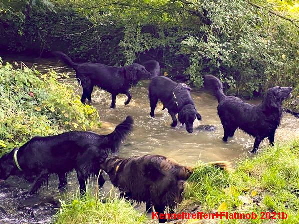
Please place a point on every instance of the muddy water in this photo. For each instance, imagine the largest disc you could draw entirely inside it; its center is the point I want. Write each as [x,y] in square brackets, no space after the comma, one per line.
[150,135]
[155,136]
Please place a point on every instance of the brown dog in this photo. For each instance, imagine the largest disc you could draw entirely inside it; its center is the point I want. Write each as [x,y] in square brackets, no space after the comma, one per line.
[153,179]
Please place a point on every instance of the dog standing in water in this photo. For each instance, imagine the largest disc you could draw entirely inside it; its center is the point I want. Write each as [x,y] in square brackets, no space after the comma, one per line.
[176,98]
[59,154]
[259,121]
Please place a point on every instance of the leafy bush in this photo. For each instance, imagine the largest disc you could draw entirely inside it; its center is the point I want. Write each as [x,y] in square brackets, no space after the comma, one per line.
[250,45]
[37,104]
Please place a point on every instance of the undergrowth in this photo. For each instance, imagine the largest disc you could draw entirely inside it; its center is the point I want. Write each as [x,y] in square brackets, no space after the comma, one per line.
[35,104]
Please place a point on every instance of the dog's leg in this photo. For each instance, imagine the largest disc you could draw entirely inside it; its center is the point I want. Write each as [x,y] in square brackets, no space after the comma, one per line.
[160,209]
[174,120]
[148,207]
[39,181]
[125,195]
[257,142]
[129,97]
[229,131]
[113,97]
[271,137]
[83,97]
[101,180]
[88,93]
[82,181]
[62,181]
[171,209]
[153,104]
[87,89]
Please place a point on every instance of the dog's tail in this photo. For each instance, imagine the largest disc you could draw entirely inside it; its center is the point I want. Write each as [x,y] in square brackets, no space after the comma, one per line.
[214,84]
[185,172]
[295,114]
[222,165]
[66,59]
[119,134]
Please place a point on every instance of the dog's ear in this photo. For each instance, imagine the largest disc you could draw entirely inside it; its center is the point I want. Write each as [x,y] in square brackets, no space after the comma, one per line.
[7,165]
[186,86]
[198,116]
[152,170]
[130,73]
[182,117]
[271,100]
[110,165]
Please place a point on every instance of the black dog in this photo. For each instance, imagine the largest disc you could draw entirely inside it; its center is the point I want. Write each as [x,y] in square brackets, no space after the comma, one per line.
[60,154]
[114,80]
[176,98]
[152,179]
[260,121]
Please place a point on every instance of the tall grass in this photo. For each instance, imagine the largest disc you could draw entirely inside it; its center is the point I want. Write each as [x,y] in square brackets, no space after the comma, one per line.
[269,182]
[90,210]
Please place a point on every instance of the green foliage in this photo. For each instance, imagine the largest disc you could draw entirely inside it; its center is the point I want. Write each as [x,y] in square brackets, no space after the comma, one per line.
[35,104]
[91,210]
[205,185]
[269,182]
[250,45]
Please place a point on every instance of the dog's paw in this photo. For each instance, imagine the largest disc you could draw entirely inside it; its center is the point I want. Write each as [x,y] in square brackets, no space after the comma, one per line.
[224,139]
[174,124]
[26,194]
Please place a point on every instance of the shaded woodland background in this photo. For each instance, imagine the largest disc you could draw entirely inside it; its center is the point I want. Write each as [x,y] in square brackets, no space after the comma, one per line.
[251,45]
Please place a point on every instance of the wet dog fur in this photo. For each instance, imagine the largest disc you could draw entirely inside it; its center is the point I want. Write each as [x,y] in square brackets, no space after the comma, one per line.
[115,80]
[59,154]
[152,179]
[176,98]
[259,121]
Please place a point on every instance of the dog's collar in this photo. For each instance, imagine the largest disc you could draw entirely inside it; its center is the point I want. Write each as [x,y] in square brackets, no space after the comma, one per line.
[174,96]
[116,168]
[15,158]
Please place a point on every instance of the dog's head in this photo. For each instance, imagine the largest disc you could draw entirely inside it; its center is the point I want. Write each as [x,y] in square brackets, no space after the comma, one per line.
[187,116]
[136,72]
[7,165]
[153,67]
[276,95]
[110,166]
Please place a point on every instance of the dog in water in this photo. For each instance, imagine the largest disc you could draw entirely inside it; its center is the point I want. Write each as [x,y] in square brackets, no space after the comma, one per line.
[59,154]
[176,98]
[259,121]
[153,179]
[115,80]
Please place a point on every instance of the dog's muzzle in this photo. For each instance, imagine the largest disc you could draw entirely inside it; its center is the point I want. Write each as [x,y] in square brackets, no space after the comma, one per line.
[189,130]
